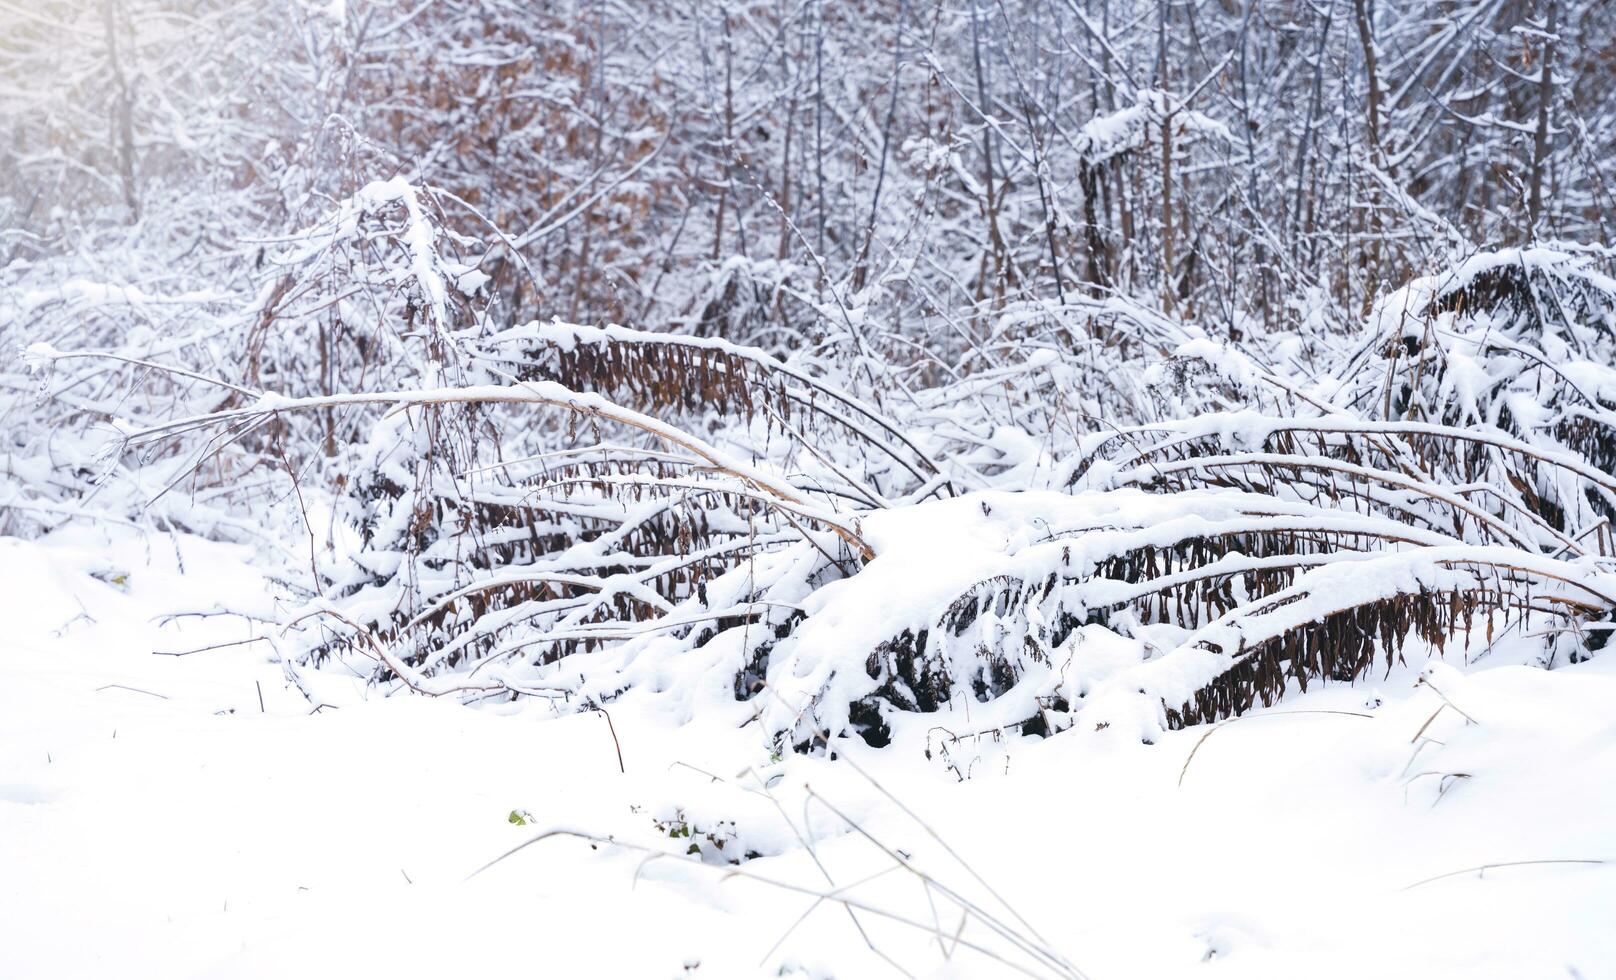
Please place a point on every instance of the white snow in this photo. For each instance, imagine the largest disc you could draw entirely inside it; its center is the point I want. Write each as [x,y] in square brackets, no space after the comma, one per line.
[158,820]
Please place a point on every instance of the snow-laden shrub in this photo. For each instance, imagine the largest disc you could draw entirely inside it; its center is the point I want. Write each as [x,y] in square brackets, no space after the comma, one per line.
[1452,431]
[88,353]
[1048,536]
[1520,344]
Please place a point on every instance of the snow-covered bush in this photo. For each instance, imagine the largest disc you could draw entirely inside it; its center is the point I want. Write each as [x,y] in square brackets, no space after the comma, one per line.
[961,376]
[577,512]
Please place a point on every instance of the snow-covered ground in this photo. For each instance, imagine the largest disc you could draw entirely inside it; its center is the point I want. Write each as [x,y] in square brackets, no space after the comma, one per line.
[191,816]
